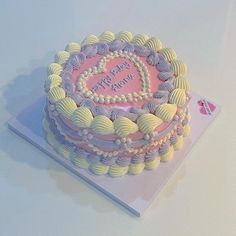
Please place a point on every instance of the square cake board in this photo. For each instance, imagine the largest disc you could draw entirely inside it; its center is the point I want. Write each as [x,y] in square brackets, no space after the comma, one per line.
[134,192]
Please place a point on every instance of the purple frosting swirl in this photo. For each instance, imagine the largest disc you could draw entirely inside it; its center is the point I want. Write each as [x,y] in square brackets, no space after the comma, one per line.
[68,68]
[164,76]
[89,50]
[129,47]
[139,158]
[153,59]
[81,152]
[88,103]
[151,155]
[102,48]
[161,93]
[108,161]
[68,86]
[185,121]
[116,45]
[93,158]
[152,105]
[163,65]
[180,130]
[164,148]
[100,110]
[123,161]
[77,97]
[174,139]
[142,51]
[77,59]
[137,110]
[167,86]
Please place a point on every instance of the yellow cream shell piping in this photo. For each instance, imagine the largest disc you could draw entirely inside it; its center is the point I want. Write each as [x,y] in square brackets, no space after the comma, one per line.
[54,68]
[151,165]
[168,156]
[117,171]
[102,125]
[66,106]
[107,36]
[148,122]
[82,117]
[179,143]
[55,94]
[90,39]
[52,81]
[124,126]
[140,39]
[182,83]
[135,169]
[178,97]
[166,111]
[179,67]
[61,57]
[125,36]
[154,44]
[73,47]
[98,168]
[169,53]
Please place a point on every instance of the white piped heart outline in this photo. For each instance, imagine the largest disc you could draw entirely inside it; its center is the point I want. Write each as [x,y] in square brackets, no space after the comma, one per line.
[145,93]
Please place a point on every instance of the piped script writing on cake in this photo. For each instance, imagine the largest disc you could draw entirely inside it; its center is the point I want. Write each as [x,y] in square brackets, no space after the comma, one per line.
[117,104]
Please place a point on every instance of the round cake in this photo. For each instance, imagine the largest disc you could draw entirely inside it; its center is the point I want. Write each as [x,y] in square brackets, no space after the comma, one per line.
[116,104]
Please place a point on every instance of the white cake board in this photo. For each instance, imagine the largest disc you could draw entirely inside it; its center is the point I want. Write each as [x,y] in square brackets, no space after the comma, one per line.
[135,193]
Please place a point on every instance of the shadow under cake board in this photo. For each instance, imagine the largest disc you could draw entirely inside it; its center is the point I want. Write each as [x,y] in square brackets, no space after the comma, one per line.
[134,192]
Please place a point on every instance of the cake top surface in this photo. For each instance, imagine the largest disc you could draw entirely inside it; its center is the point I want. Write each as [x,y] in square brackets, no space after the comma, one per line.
[118,76]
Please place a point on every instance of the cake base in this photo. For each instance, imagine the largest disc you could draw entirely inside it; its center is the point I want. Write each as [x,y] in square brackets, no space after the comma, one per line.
[134,192]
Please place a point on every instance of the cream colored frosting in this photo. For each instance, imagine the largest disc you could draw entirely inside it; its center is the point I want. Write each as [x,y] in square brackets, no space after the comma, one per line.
[169,53]
[66,106]
[179,67]
[168,156]
[166,111]
[102,125]
[135,169]
[182,83]
[148,122]
[61,57]
[82,117]
[52,81]
[151,165]
[186,130]
[179,143]
[98,168]
[73,47]
[125,36]
[117,171]
[124,126]
[140,39]
[178,97]
[107,36]
[90,39]
[55,94]
[54,68]
[154,44]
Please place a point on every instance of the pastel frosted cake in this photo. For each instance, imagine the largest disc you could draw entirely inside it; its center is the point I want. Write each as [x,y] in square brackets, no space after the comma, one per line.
[116,104]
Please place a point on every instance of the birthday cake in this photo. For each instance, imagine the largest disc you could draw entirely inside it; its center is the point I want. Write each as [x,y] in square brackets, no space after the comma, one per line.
[116,104]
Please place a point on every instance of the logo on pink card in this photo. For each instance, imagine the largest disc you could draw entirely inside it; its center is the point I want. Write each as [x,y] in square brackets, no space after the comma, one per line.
[206,107]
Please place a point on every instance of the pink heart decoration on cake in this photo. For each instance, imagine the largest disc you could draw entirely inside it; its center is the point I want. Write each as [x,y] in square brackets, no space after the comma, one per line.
[116,75]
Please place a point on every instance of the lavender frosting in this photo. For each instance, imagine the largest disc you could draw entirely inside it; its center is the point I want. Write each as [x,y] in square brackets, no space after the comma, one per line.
[142,51]
[77,59]
[123,161]
[102,48]
[164,148]
[150,156]
[116,45]
[163,65]
[174,139]
[153,58]
[129,47]
[89,50]
[139,158]
[164,76]
[166,86]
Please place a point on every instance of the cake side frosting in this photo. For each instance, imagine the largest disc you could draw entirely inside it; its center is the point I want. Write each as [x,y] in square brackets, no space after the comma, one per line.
[85,114]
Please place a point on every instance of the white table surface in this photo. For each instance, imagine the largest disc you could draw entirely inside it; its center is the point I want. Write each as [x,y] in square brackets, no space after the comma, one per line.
[39,197]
